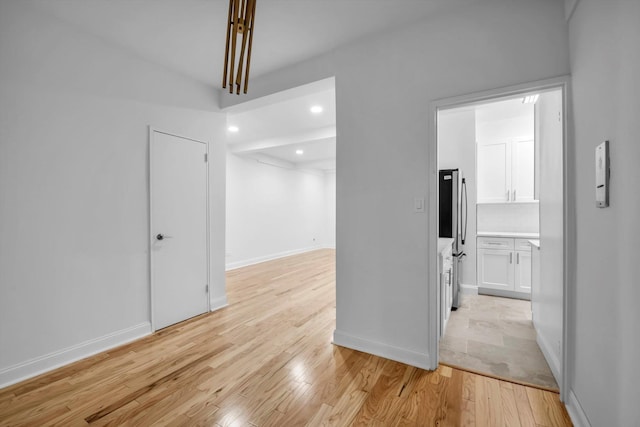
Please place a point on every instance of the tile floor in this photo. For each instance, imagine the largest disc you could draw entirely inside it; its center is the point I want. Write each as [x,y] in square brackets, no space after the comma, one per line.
[495,335]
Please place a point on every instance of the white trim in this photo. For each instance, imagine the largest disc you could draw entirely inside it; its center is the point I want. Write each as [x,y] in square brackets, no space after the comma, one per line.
[561,83]
[468,289]
[207,162]
[39,365]
[153,130]
[218,303]
[550,356]
[269,257]
[576,413]
[568,238]
[419,360]
[505,294]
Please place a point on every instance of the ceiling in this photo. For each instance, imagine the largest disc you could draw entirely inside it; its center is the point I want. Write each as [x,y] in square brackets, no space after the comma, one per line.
[500,109]
[188,36]
[277,130]
[503,109]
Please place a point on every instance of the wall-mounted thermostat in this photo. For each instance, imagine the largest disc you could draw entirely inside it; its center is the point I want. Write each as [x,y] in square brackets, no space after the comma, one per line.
[602,175]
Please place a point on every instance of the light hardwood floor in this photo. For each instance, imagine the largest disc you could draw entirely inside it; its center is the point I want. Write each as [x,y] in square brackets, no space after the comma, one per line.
[267,360]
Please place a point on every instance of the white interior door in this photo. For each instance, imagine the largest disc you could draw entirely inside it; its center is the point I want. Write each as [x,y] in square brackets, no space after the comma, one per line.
[179,268]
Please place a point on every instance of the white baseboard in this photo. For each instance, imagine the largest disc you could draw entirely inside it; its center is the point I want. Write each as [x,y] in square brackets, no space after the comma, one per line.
[218,303]
[270,257]
[549,355]
[409,357]
[468,289]
[39,365]
[504,294]
[576,413]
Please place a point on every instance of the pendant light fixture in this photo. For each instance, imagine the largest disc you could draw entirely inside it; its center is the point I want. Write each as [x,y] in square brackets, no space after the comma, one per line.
[239,38]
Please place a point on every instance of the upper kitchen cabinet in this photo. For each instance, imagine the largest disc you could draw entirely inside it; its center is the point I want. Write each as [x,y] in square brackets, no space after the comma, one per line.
[505,171]
[493,170]
[505,152]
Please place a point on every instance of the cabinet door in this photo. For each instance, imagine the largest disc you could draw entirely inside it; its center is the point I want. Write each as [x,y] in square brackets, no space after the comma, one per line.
[522,172]
[523,271]
[495,269]
[494,172]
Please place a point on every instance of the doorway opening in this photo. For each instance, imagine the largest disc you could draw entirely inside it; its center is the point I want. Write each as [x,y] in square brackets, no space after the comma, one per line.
[500,229]
[281,175]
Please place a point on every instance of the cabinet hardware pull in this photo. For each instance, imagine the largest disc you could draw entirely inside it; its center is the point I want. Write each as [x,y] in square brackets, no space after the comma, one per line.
[514,195]
[511,258]
[508,196]
[518,258]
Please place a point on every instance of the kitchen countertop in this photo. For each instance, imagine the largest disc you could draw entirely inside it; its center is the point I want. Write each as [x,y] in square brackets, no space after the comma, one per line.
[443,242]
[508,234]
[535,243]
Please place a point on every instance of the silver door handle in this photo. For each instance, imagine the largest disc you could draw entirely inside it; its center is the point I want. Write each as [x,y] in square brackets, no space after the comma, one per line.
[161,236]
[511,258]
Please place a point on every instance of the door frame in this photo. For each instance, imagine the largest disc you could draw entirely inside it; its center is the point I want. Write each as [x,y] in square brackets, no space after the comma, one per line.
[563,84]
[152,131]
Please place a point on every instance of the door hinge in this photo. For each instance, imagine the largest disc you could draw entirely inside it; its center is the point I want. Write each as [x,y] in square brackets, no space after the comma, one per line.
[206,157]
[206,288]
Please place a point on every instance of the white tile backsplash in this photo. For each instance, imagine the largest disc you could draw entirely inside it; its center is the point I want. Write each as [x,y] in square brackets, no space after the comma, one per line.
[508,217]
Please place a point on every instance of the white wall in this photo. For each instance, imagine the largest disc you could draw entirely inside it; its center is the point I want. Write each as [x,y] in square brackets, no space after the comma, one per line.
[330,203]
[384,87]
[605,65]
[74,113]
[272,211]
[509,217]
[548,310]
[457,149]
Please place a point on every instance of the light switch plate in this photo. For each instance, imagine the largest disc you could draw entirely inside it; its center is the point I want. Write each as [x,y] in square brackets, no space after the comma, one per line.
[602,175]
[418,204]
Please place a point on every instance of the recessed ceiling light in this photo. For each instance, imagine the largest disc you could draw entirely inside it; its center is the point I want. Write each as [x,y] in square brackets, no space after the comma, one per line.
[316,109]
[299,152]
[233,129]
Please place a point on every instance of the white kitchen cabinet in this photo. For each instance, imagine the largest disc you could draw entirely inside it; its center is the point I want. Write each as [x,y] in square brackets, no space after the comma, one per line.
[523,272]
[505,171]
[522,170]
[504,264]
[495,269]
[445,273]
[494,172]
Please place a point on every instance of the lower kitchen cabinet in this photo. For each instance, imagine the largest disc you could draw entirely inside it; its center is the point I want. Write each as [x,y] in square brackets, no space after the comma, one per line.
[523,272]
[504,265]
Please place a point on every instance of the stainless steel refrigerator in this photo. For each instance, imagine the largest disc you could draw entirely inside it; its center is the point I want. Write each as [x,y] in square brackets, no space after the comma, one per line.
[453,220]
